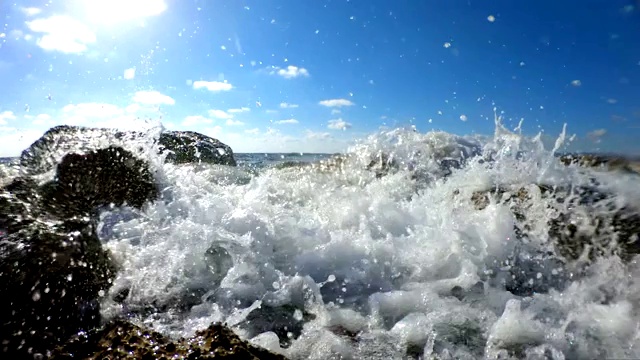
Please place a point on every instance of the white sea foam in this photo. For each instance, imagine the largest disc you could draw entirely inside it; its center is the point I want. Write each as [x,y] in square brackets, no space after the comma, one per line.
[397,265]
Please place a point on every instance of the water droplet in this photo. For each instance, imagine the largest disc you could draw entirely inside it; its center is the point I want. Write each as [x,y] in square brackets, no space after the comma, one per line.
[331,278]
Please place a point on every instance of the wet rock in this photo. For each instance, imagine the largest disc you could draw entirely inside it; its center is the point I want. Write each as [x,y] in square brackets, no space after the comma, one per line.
[122,340]
[596,226]
[50,278]
[181,146]
[605,162]
[53,269]
[193,147]
[110,176]
[590,222]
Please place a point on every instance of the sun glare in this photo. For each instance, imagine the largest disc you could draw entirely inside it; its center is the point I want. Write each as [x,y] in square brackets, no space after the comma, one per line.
[116,11]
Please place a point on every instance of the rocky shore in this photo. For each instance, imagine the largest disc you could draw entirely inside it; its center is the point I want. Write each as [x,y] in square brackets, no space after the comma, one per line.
[54,272]
[53,268]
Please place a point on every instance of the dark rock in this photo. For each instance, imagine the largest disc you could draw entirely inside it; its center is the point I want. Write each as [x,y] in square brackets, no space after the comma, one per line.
[122,340]
[50,278]
[605,162]
[53,269]
[590,221]
[193,147]
[103,177]
[181,146]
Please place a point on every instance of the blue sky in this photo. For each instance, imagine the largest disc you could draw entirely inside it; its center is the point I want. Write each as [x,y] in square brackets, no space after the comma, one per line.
[312,76]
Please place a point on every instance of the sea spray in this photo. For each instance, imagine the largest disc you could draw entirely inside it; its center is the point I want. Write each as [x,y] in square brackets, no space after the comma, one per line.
[416,268]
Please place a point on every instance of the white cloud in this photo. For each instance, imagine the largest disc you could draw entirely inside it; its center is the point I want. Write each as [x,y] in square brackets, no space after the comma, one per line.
[130,73]
[152,98]
[285,105]
[231,122]
[87,110]
[31,11]
[317,135]
[238,110]
[214,132]
[336,103]
[338,124]
[287,121]
[595,135]
[273,140]
[133,108]
[42,119]
[292,72]
[212,85]
[219,114]
[13,141]
[6,116]
[196,120]
[576,83]
[336,111]
[132,117]
[62,33]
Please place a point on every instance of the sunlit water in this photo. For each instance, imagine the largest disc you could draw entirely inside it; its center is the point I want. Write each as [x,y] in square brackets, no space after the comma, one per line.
[374,267]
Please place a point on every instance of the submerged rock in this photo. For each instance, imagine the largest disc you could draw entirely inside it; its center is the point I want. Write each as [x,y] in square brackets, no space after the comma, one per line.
[122,340]
[181,146]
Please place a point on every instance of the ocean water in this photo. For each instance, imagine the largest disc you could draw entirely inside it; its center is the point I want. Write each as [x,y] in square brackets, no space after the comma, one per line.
[350,265]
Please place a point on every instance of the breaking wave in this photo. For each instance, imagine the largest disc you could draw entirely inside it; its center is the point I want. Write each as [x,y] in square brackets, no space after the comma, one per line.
[384,252]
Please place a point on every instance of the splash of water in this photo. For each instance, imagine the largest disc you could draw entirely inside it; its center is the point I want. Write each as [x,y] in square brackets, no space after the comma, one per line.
[347,263]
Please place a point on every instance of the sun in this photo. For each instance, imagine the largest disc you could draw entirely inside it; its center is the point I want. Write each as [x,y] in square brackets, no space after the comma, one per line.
[117,11]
